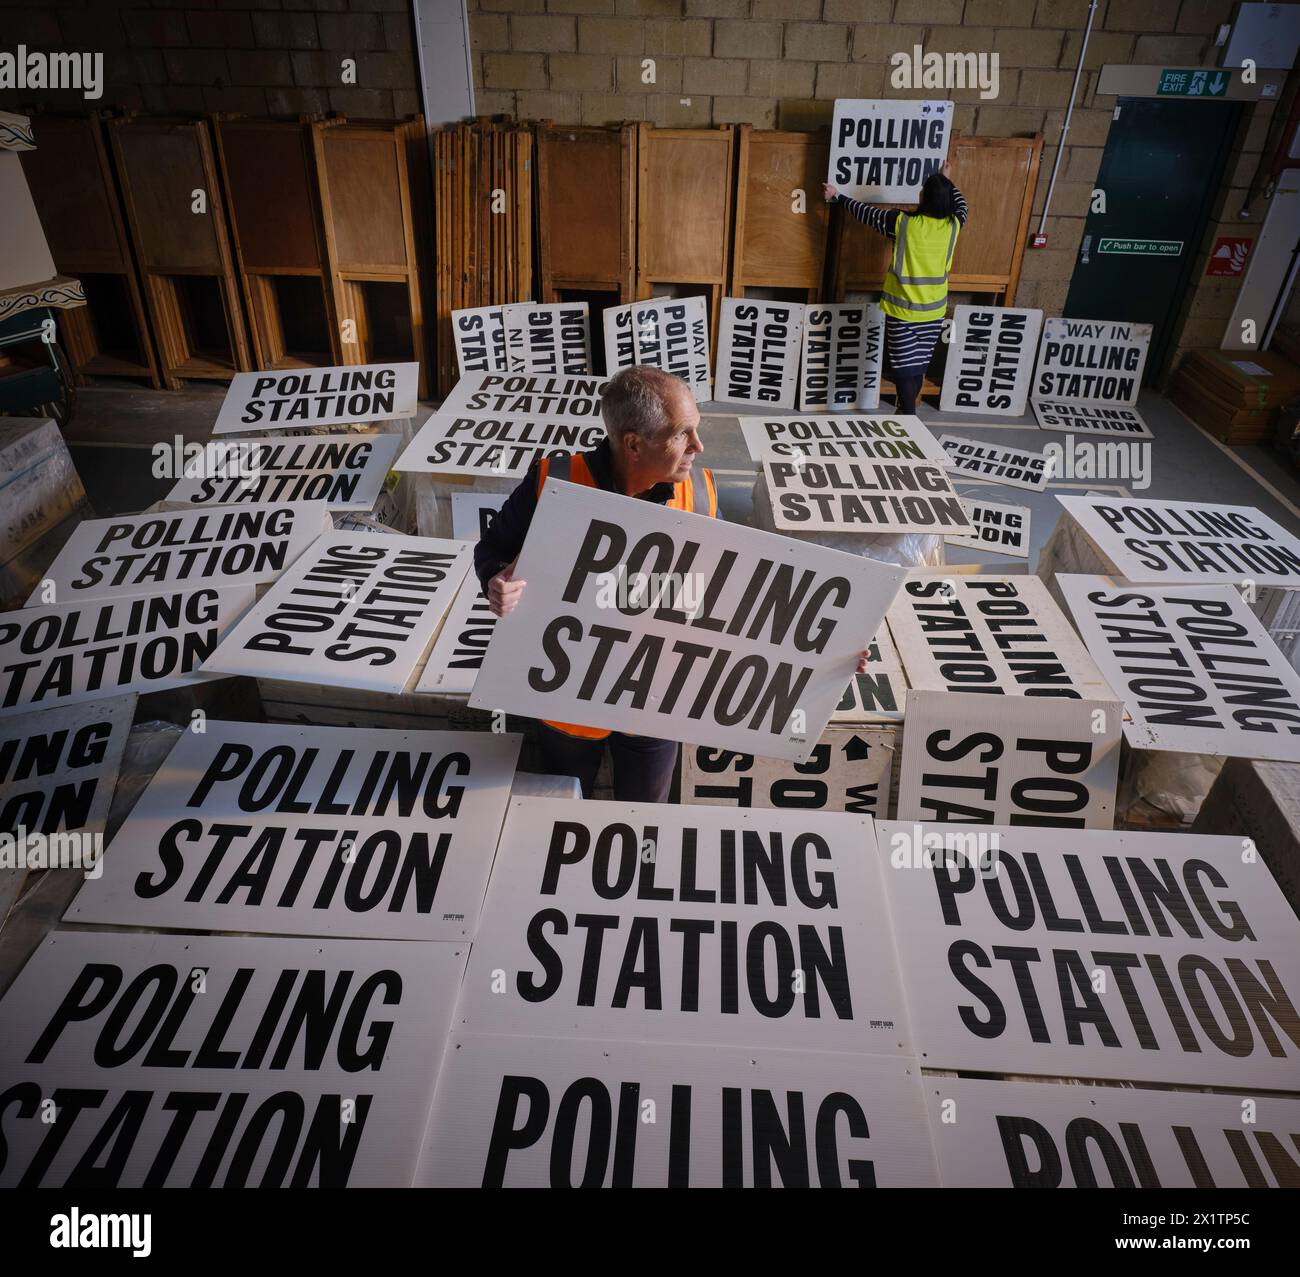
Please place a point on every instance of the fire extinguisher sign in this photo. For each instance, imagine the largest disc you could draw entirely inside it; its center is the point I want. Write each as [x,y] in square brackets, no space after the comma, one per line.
[1229,256]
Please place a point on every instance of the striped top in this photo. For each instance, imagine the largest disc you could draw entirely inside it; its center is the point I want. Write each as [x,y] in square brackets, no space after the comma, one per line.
[885,220]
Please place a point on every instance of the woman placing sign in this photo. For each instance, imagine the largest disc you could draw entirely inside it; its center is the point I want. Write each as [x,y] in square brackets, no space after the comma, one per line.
[653,425]
[915,295]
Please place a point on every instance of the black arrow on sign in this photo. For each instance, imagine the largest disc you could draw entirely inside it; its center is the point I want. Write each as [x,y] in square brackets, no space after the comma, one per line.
[855,748]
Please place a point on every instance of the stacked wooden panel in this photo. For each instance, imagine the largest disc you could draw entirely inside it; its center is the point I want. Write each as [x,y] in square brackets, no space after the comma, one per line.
[72,185]
[781,218]
[174,210]
[269,170]
[483,215]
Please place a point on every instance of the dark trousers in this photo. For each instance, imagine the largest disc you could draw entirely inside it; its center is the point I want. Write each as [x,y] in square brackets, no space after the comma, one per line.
[907,389]
[642,766]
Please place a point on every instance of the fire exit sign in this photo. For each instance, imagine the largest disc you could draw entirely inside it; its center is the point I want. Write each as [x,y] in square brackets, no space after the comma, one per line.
[1185,82]
[1142,247]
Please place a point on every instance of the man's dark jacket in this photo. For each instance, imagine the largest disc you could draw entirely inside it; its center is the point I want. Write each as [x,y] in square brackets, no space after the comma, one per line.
[500,544]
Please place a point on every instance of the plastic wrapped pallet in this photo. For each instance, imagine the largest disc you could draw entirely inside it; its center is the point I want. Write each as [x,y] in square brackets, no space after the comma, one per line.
[537,785]
[911,550]
[41,500]
[1260,801]
[432,494]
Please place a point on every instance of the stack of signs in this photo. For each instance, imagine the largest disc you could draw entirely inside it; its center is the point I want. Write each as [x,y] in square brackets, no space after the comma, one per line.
[552,339]
[1149,957]
[462,643]
[1001,635]
[480,336]
[319,397]
[664,332]
[345,471]
[881,151]
[311,831]
[251,1061]
[147,553]
[849,770]
[992,463]
[1088,371]
[1187,542]
[877,438]
[1011,760]
[876,696]
[82,651]
[843,348]
[990,360]
[999,529]
[758,352]
[1001,1134]
[734,970]
[667,624]
[58,771]
[496,426]
[1198,672]
[863,496]
[355,610]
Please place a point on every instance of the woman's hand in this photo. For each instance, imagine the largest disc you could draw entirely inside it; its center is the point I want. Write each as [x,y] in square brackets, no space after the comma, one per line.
[829,192]
[947,169]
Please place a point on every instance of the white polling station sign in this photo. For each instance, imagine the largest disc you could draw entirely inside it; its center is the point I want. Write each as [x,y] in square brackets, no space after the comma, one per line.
[356,610]
[1015,760]
[671,333]
[876,437]
[494,395]
[990,360]
[150,553]
[494,447]
[550,338]
[324,831]
[553,1113]
[1015,467]
[882,151]
[669,624]
[480,336]
[1197,671]
[339,396]
[998,1134]
[1094,953]
[849,771]
[1114,421]
[666,923]
[1001,635]
[345,471]
[843,349]
[462,643]
[848,495]
[102,647]
[758,352]
[58,769]
[1094,360]
[252,1061]
[999,528]
[1150,541]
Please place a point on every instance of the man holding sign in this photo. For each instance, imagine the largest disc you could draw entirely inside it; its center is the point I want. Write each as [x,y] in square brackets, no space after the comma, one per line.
[653,427]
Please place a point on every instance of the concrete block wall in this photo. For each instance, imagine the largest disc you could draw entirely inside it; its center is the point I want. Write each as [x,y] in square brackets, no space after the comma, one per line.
[782,63]
[256,57]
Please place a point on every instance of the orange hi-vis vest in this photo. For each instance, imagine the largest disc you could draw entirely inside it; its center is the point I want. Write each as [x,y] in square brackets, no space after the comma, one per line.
[698,498]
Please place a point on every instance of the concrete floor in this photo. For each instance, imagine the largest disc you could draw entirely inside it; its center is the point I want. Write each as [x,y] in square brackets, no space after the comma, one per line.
[115,427]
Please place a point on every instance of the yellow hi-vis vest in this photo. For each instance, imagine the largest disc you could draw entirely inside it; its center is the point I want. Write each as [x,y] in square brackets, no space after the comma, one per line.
[697,497]
[916,284]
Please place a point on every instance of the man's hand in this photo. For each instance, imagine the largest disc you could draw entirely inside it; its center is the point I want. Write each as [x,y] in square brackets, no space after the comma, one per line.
[504,592]
[829,192]
[862,661]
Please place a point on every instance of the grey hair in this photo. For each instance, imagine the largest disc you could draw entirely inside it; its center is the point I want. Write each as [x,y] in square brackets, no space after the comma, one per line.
[638,401]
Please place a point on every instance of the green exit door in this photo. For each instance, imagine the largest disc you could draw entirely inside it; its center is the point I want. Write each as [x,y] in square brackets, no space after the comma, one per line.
[1160,172]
